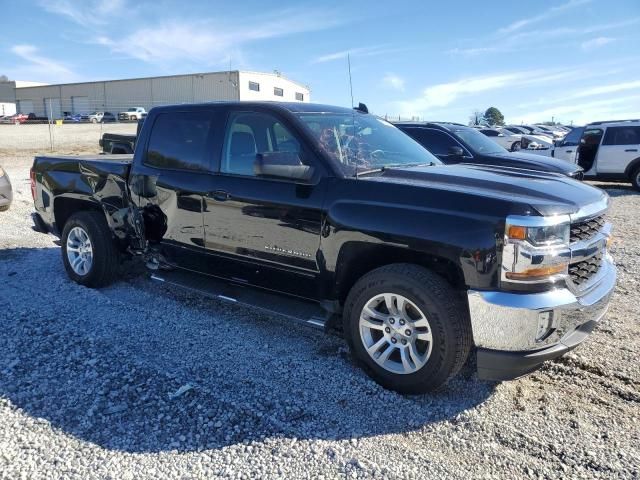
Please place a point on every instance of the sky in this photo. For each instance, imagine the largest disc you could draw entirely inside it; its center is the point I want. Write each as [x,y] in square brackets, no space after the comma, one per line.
[567,60]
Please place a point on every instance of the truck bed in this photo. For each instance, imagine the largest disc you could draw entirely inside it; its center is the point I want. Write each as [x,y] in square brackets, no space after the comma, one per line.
[97,179]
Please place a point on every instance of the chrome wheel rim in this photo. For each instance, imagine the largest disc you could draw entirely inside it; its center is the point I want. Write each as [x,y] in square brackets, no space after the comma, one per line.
[395,333]
[79,251]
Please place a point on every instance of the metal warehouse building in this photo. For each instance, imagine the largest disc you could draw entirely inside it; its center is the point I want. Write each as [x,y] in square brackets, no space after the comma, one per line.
[117,95]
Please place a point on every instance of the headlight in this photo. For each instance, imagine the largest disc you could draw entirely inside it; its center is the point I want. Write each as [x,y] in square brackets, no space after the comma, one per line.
[541,236]
[536,249]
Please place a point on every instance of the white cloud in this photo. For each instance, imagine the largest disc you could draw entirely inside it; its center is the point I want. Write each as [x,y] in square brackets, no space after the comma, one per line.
[596,43]
[86,12]
[584,112]
[551,12]
[393,81]
[443,94]
[211,42]
[38,67]
[353,52]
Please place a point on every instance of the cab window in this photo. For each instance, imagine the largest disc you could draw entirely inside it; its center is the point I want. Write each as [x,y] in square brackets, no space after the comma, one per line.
[622,136]
[179,140]
[251,134]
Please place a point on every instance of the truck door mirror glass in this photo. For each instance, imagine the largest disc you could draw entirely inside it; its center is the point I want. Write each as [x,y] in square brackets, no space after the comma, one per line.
[456,151]
[282,165]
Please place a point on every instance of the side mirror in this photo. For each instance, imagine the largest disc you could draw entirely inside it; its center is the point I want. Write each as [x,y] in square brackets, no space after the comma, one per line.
[456,151]
[282,165]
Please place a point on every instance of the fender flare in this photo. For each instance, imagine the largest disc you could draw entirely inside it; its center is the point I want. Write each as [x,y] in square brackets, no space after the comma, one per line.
[633,165]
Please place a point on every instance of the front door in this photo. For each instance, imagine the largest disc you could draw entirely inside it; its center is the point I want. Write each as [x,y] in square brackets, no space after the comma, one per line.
[620,146]
[567,148]
[268,229]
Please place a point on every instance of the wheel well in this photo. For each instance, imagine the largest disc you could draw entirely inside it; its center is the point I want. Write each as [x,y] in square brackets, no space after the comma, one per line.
[65,207]
[357,261]
[632,167]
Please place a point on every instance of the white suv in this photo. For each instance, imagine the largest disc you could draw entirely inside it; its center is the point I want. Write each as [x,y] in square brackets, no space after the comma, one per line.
[132,114]
[605,150]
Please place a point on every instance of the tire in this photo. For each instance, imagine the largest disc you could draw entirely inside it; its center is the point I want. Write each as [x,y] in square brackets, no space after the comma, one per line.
[133,118]
[635,179]
[94,120]
[516,146]
[105,257]
[4,208]
[434,299]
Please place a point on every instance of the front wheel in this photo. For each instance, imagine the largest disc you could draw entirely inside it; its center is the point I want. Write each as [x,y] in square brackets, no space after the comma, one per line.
[516,146]
[94,120]
[635,178]
[89,253]
[407,327]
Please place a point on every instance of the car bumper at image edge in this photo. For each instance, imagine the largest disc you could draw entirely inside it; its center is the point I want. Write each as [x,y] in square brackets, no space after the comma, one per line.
[505,325]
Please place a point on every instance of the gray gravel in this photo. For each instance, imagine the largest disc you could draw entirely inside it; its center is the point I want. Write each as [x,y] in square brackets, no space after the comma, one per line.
[139,381]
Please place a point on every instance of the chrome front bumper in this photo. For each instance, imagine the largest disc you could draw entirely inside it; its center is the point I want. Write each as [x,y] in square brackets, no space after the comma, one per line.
[511,321]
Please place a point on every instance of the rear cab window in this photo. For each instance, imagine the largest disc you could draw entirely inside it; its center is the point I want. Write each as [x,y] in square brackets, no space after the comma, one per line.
[181,141]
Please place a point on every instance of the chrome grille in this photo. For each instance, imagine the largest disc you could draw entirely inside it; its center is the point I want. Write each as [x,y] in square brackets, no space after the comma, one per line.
[581,272]
[586,229]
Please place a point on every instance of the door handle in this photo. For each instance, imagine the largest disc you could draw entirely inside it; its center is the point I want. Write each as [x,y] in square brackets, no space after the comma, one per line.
[631,150]
[220,195]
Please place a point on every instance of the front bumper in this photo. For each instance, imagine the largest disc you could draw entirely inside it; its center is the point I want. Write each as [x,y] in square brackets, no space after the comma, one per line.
[506,326]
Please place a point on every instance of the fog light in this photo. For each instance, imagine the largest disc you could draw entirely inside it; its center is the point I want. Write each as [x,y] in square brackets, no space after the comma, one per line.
[546,325]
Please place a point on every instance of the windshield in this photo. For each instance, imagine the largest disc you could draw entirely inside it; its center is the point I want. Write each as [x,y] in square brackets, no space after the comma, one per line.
[132,109]
[364,142]
[478,142]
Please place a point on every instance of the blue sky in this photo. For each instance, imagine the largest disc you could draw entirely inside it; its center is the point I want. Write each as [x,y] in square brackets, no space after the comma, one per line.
[575,60]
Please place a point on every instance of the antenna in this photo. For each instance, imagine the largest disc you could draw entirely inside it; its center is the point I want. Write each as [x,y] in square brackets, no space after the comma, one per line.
[350,81]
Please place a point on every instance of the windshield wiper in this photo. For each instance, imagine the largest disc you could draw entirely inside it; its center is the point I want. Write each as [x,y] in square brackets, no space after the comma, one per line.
[409,165]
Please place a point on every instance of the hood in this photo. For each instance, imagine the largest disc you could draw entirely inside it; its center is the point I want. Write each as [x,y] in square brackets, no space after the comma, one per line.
[546,193]
[537,162]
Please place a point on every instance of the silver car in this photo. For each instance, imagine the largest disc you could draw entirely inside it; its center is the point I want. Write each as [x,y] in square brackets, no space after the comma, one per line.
[6,194]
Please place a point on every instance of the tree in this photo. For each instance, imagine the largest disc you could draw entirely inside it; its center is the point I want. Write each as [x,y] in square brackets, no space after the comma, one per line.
[494,116]
[476,118]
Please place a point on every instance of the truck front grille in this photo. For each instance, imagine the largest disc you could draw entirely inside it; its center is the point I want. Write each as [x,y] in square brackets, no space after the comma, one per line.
[586,229]
[581,272]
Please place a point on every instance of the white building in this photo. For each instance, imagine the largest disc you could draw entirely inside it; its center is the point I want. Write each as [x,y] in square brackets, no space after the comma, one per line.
[117,95]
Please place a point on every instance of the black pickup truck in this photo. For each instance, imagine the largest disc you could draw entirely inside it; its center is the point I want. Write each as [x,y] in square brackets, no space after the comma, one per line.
[335,218]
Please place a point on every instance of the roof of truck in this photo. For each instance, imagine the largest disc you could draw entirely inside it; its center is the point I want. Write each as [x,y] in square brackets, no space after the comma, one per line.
[290,106]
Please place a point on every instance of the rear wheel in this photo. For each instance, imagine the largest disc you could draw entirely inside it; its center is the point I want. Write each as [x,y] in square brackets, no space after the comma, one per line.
[635,178]
[516,146]
[94,120]
[89,253]
[407,327]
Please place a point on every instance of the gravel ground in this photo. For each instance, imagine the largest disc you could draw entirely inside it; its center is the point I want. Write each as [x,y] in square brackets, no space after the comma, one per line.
[139,381]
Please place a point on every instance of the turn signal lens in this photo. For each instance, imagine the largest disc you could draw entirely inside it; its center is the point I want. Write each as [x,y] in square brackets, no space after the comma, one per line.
[534,273]
[609,241]
[517,233]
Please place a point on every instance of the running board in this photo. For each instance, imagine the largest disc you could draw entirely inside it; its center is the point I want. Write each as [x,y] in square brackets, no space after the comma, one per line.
[303,311]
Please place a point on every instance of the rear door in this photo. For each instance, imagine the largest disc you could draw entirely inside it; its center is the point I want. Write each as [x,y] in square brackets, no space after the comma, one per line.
[266,230]
[620,146]
[172,178]
[567,149]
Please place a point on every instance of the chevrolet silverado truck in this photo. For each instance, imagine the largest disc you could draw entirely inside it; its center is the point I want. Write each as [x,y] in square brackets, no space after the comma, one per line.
[335,218]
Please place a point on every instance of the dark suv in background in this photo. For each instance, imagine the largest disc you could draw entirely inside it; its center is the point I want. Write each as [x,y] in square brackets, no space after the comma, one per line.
[457,143]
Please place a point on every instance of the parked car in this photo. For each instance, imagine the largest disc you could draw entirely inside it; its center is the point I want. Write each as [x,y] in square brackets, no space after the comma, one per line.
[335,218]
[567,148]
[6,192]
[17,119]
[102,117]
[540,143]
[607,151]
[506,139]
[76,117]
[132,114]
[554,132]
[455,143]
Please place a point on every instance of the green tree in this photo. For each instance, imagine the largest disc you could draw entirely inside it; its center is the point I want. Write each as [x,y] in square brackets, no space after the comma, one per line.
[494,116]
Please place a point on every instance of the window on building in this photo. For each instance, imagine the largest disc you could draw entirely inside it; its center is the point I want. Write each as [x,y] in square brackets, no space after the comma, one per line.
[255,86]
[278,92]
[300,96]
[179,140]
